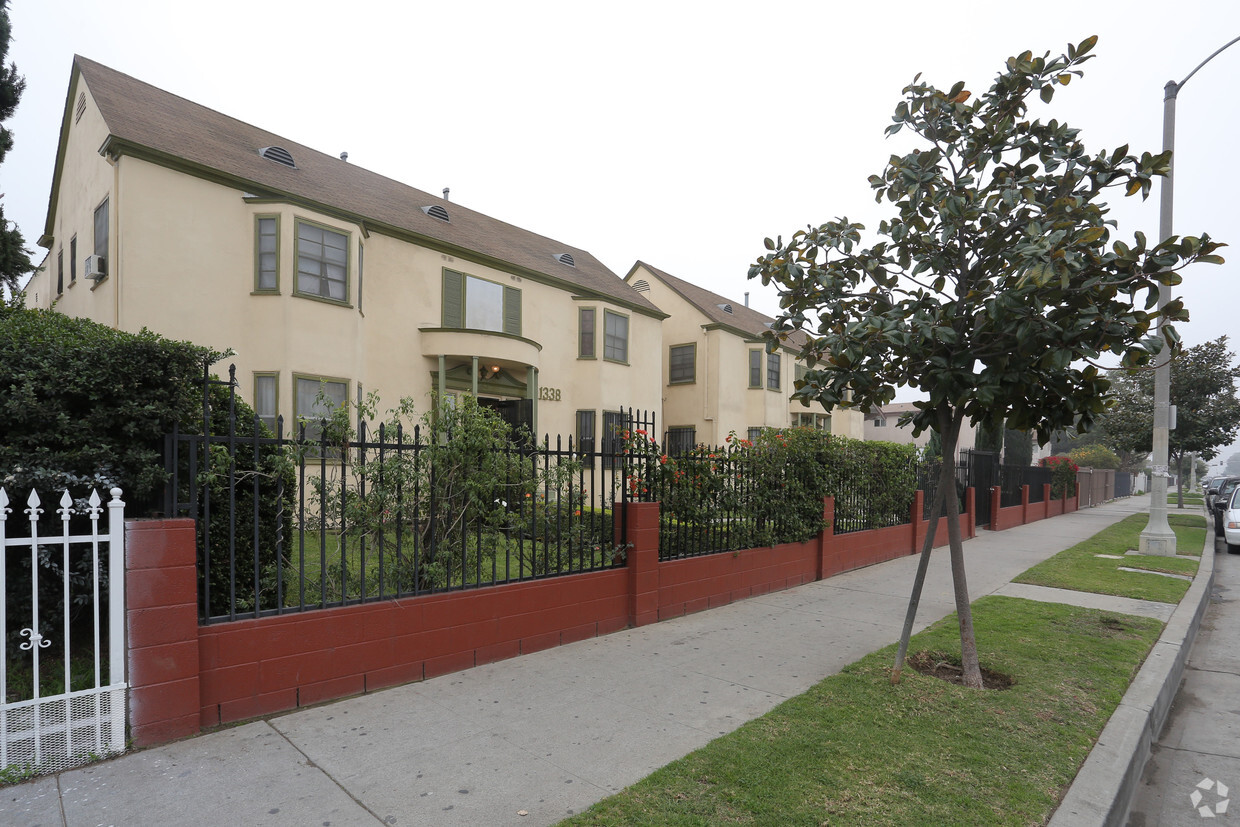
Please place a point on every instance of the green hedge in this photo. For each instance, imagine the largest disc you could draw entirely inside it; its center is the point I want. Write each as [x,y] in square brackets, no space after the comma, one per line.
[83,404]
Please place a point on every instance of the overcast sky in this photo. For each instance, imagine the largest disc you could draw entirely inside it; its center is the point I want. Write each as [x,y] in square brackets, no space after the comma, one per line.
[677,133]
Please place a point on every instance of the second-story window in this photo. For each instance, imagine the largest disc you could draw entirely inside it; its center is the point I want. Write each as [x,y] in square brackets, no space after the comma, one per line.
[616,337]
[322,262]
[477,304]
[267,254]
[681,364]
[755,368]
[772,371]
[585,335]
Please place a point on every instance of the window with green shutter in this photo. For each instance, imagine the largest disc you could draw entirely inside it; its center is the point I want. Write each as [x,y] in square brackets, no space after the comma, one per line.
[472,303]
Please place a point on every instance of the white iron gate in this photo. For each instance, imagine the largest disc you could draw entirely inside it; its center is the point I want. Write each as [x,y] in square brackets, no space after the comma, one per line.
[46,733]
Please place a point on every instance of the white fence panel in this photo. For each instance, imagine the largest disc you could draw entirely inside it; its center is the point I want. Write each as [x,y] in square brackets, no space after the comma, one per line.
[46,733]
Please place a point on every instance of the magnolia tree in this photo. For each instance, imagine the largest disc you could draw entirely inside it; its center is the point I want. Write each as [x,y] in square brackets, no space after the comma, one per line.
[998,283]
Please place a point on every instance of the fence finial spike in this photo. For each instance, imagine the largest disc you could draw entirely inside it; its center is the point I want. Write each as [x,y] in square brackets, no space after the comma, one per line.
[4,503]
[33,511]
[66,506]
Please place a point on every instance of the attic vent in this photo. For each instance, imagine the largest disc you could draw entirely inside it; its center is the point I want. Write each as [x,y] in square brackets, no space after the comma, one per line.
[436,211]
[278,154]
[726,308]
[641,286]
[81,107]
[566,258]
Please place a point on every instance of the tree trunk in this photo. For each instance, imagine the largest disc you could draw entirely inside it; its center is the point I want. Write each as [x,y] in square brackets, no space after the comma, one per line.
[972,672]
[936,509]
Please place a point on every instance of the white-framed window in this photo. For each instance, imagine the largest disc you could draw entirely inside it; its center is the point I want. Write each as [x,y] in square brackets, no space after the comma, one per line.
[322,262]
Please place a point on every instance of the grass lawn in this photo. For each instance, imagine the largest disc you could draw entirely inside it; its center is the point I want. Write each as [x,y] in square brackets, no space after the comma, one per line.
[502,560]
[856,750]
[1080,569]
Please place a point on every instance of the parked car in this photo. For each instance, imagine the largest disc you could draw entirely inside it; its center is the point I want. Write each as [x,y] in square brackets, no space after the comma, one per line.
[1221,500]
[1231,523]
[1212,490]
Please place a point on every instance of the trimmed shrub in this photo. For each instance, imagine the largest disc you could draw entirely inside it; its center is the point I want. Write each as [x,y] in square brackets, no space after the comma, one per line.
[83,404]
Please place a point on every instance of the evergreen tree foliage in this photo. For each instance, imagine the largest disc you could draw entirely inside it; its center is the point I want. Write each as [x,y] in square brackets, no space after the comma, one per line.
[14,257]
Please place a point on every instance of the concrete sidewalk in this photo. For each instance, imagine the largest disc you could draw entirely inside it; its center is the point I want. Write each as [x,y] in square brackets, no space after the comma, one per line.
[1199,747]
[537,738]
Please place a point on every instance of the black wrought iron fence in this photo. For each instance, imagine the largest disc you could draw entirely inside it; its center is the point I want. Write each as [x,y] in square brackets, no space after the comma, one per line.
[1012,478]
[770,490]
[329,517]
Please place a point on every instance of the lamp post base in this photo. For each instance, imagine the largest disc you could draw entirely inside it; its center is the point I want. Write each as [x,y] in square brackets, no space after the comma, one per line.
[1158,538]
[1157,544]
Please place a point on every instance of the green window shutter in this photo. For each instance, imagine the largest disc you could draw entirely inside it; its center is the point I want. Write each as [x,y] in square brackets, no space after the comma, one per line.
[512,310]
[453,299]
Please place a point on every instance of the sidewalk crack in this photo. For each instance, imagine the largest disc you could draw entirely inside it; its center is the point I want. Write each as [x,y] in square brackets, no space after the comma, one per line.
[310,763]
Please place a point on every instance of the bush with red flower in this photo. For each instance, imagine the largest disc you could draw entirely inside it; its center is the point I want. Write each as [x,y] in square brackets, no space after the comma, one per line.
[1063,475]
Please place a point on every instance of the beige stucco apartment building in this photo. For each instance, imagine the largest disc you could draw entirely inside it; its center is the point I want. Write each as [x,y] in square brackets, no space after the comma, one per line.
[883,425]
[322,275]
[717,377]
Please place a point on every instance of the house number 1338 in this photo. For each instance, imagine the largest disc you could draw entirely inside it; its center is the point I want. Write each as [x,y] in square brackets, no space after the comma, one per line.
[549,394]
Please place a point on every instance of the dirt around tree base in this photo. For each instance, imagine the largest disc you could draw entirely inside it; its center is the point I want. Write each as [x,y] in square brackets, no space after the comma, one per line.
[947,667]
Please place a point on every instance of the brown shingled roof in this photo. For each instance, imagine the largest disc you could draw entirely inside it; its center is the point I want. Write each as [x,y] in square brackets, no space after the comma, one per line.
[142,117]
[742,318]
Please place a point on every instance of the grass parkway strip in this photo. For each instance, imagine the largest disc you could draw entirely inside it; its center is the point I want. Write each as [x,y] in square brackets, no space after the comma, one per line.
[856,750]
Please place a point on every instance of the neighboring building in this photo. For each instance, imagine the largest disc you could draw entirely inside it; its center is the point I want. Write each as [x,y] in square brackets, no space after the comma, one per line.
[883,425]
[717,376]
[320,274]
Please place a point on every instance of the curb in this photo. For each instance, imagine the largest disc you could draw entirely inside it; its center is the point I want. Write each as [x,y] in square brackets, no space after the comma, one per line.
[1103,790]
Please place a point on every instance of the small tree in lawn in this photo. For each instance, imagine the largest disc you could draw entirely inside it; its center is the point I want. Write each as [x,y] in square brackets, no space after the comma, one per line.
[997,277]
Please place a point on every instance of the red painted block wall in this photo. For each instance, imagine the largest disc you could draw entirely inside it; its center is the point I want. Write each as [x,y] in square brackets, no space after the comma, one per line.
[161,617]
[184,676]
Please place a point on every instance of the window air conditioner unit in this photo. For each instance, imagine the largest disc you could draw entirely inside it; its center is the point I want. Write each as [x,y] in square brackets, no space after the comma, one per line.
[96,267]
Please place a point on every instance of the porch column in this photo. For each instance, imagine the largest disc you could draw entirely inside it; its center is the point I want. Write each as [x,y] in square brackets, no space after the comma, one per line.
[531,389]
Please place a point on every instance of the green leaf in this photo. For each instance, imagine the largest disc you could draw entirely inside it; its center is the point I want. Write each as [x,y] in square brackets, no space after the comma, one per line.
[1047,93]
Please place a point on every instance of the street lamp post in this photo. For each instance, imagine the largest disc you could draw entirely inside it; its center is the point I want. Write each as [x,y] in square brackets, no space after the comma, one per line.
[1158,538]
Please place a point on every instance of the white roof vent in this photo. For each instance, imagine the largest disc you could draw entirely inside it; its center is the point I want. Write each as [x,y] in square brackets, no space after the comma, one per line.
[436,211]
[278,154]
[565,258]
[641,286]
[726,308]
